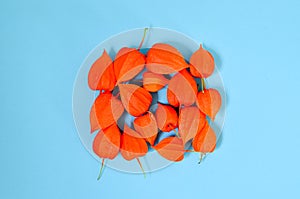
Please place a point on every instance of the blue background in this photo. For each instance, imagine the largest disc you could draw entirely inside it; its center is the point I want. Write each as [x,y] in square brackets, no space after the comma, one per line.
[256,43]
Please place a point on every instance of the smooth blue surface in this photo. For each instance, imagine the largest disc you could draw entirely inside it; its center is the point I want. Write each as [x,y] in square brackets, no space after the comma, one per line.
[256,43]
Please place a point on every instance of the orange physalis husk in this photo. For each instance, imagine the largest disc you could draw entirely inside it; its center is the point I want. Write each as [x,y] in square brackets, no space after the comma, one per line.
[146,126]
[166,118]
[209,102]
[107,142]
[106,110]
[191,120]
[182,89]
[171,148]
[93,120]
[165,59]
[202,63]
[132,147]
[172,99]
[128,63]
[135,99]
[101,75]
[153,82]
[129,150]
[205,140]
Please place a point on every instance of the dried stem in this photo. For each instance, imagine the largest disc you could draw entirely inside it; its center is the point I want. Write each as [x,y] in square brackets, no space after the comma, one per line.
[138,160]
[145,32]
[203,84]
[176,132]
[102,166]
[202,155]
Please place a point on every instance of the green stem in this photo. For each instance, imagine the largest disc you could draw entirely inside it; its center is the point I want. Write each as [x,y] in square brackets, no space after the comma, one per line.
[201,157]
[203,84]
[176,132]
[102,166]
[138,160]
[145,32]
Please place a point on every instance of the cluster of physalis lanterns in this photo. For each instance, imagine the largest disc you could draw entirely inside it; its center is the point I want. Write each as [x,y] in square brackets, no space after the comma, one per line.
[128,86]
